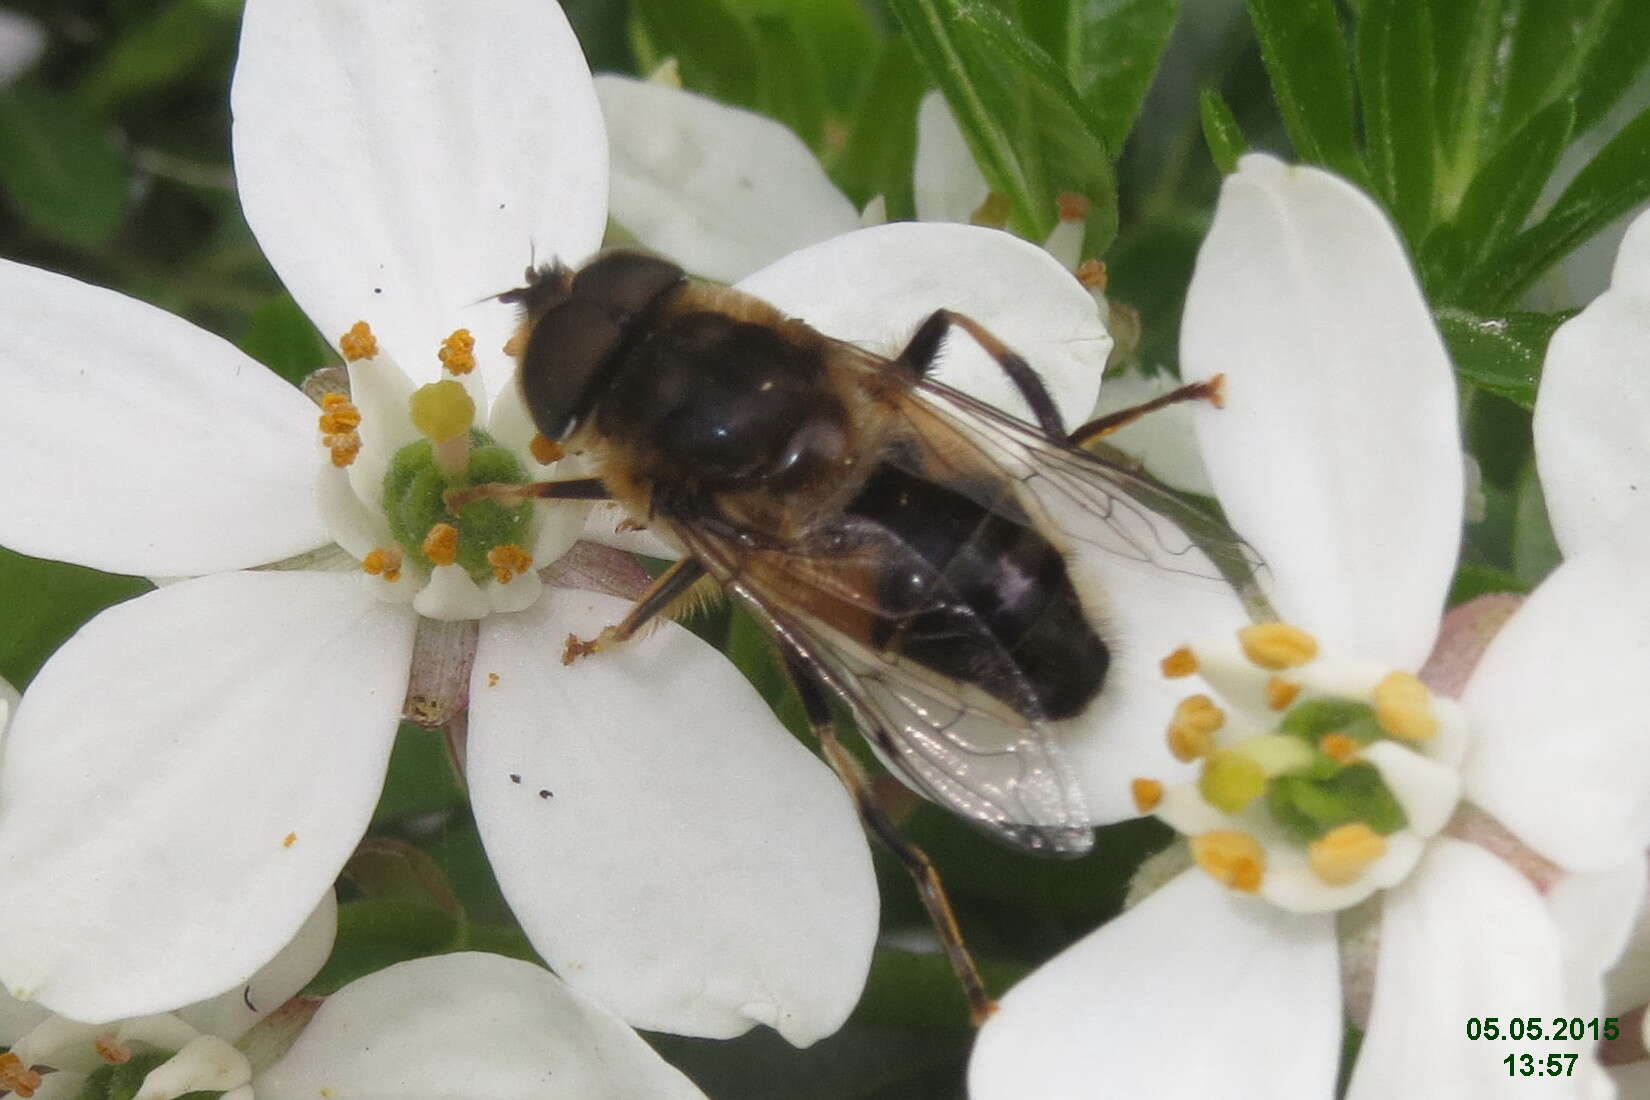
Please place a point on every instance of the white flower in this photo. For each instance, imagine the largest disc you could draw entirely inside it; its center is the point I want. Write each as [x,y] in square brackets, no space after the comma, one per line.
[201,760]
[1337,455]
[188,1049]
[1590,441]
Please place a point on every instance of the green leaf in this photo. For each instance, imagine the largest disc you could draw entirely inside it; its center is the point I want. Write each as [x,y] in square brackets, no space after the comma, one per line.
[1502,195]
[1311,72]
[1500,354]
[374,933]
[1535,551]
[1616,56]
[1615,181]
[420,778]
[1220,131]
[164,50]
[838,35]
[58,167]
[283,339]
[600,27]
[47,601]
[715,49]
[1550,43]
[793,81]
[1108,49]
[882,138]
[1033,137]
[1395,75]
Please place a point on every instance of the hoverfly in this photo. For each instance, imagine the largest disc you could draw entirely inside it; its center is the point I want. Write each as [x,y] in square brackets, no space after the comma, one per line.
[907,546]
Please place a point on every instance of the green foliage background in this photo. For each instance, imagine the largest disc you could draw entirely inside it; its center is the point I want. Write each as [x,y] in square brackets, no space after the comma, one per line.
[1456,114]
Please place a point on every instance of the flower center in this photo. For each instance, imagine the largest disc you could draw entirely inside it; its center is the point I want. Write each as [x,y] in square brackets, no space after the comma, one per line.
[1318,780]
[403,450]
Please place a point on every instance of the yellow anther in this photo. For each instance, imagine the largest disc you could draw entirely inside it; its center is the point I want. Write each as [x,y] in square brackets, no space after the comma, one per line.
[330,401]
[458,352]
[111,1050]
[339,417]
[17,1077]
[1148,794]
[358,343]
[1231,857]
[1182,662]
[508,561]
[1280,692]
[442,410]
[1403,707]
[343,446]
[383,562]
[1093,274]
[1191,731]
[1230,781]
[441,544]
[1339,747]
[545,450]
[289,840]
[1072,206]
[1275,646]
[1345,852]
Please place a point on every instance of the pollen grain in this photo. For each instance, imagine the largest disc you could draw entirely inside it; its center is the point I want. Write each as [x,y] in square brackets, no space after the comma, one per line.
[1148,794]
[441,544]
[508,562]
[1182,662]
[1231,857]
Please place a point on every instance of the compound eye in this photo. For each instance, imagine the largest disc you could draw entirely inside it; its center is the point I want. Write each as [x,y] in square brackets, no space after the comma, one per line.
[560,364]
[625,282]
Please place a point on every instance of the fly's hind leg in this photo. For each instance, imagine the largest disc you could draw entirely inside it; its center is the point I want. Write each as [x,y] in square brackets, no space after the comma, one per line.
[919,353]
[816,704]
[670,585]
[1212,391]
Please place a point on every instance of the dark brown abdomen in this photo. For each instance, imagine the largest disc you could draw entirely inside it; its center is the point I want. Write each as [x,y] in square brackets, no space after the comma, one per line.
[994,605]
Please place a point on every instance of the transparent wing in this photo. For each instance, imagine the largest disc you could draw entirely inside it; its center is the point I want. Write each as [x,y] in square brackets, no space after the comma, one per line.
[965,749]
[1104,509]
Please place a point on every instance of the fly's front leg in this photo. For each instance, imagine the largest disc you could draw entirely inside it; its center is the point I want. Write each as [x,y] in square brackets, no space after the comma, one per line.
[578,488]
[1212,391]
[664,591]
[816,704]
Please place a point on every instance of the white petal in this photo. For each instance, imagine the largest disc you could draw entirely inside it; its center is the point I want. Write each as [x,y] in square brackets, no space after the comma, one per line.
[1590,414]
[1291,884]
[667,846]
[137,443]
[1426,789]
[1193,993]
[468,1027]
[350,523]
[947,182]
[206,1063]
[603,525]
[173,826]
[873,287]
[22,40]
[1465,936]
[451,595]
[230,1014]
[1597,917]
[398,167]
[1337,454]
[1163,441]
[1558,703]
[721,191]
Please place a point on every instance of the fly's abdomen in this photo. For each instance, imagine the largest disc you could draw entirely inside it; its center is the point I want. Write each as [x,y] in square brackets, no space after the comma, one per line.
[984,598]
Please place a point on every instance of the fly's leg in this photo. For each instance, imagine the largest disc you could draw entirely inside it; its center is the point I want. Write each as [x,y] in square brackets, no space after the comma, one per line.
[578,488]
[816,704]
[664,591]
[1211,391]
[919,353]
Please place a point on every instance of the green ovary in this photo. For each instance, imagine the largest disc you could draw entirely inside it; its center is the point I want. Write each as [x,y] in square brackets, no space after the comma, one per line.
[413,489]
